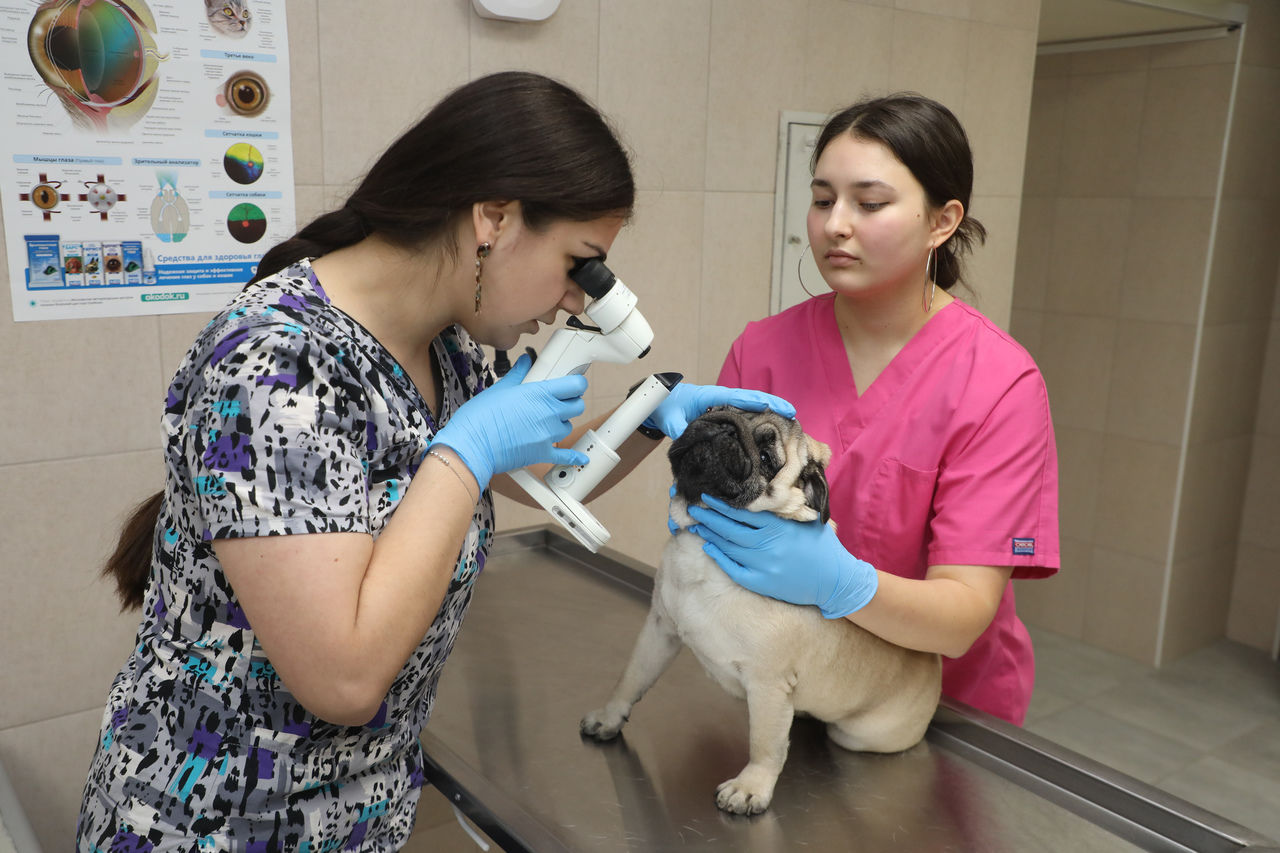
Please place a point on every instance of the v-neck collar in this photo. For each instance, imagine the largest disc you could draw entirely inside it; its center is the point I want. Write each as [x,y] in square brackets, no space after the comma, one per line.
[855,410]
[387,363]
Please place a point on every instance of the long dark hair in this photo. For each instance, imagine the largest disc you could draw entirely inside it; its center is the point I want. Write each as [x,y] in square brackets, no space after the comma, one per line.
[929,140]
[511,136]
[508,136]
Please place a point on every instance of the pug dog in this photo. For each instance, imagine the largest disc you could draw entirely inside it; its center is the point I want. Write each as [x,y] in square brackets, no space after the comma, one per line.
[783,659]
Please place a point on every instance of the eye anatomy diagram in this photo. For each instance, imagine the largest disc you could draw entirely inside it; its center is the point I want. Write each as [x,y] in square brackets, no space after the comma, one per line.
[170,215]
[244,94]
[98,57]
[45,196]
[101,196]
[243,163]
[146,155]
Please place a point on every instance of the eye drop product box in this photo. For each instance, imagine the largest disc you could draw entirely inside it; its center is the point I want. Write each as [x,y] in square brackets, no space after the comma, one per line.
[92,254]
[44,261]
[112,264]
[72,264]
[132,256]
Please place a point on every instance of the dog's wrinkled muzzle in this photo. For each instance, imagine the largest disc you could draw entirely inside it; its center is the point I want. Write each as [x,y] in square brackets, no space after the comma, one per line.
[715,456]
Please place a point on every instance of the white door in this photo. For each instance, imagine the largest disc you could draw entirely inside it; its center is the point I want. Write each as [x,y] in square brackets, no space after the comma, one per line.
[797,134]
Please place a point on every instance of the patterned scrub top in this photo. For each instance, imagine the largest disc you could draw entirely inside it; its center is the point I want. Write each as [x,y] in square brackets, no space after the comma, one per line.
[286,417]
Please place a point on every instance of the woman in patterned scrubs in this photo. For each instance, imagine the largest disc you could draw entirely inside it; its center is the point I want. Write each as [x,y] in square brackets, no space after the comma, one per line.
[326,508]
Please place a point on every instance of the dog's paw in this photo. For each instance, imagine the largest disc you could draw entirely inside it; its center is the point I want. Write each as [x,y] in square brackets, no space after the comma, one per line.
[740,796]
[603,724]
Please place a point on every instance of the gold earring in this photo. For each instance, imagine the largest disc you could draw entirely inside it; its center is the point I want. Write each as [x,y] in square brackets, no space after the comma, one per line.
[482,252]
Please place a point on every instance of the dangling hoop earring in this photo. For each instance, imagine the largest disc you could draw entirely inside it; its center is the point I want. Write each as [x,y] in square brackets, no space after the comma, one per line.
[482,252]
[799,261]
[930,281]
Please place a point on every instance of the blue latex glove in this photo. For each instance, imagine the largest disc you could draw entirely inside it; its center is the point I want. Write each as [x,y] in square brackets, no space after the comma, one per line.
[686,402]
[797,561]
[509,425]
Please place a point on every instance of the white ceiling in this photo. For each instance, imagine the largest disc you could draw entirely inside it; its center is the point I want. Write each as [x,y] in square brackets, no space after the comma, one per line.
[1070,20]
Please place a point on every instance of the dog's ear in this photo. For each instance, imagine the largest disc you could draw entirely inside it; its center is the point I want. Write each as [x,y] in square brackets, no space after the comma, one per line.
[813,482]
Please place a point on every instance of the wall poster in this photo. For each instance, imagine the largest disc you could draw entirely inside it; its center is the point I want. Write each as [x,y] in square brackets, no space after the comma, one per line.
[146,160]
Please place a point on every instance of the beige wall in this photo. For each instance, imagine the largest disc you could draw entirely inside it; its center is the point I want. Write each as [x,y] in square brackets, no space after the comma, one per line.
[1145,279]
[695,86]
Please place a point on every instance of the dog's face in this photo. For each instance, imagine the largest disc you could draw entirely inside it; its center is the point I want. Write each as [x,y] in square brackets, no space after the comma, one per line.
[752,460]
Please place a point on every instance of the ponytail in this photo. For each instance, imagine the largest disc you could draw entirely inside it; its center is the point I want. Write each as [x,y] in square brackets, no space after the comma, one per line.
[330,231]
[130,564]
[509,136]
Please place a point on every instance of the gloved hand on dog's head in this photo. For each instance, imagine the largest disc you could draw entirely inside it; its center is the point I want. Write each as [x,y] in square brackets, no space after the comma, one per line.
[686,402]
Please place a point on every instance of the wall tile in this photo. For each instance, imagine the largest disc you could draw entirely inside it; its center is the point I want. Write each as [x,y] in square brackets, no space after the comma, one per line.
[1203,52]
[1183,129]
[1087,256]
[664,121]
[1035,241]
[1269,397]
[1255,597]
[997,102]
[304,92]
[949,8]
[1246,254]
[1227,380]
[1262,495]
[1199,600]
[1110,60]
[1213,494]
[1101,137]
[1080,473]
[52,672]
[1027,328]
[659,256]
[927,50]
[1122,608]
[1150,380]
[1018,14]
[1053,65]
[1165,258]
[1262,34]
[553,47]
[990,269]
[1135,499]
[848,53]
[48,762]
[361,120]
[736,275]
[1252,167]
[1075,358]
[1045,129]
[1058,603]
[78,387]
[757,62]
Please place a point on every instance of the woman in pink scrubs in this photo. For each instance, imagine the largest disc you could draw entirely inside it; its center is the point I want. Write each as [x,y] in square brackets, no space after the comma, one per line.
[944,474]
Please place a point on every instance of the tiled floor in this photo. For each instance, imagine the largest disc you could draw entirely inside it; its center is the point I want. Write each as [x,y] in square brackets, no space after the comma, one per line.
[1206,728]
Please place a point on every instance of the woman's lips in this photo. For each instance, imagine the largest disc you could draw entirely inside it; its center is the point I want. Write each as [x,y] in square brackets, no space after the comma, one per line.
[837,258]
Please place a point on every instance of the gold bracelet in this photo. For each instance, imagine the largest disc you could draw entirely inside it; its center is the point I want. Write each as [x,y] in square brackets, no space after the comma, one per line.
[448,465]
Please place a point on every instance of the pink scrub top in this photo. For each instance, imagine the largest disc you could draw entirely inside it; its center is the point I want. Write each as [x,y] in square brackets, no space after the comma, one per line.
[948,458]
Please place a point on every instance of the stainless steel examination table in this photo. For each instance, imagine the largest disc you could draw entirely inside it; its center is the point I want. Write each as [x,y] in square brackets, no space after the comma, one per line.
[550,629]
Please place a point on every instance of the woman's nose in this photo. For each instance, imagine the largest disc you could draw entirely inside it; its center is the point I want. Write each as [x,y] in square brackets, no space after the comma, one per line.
[839,224]
[575,299]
